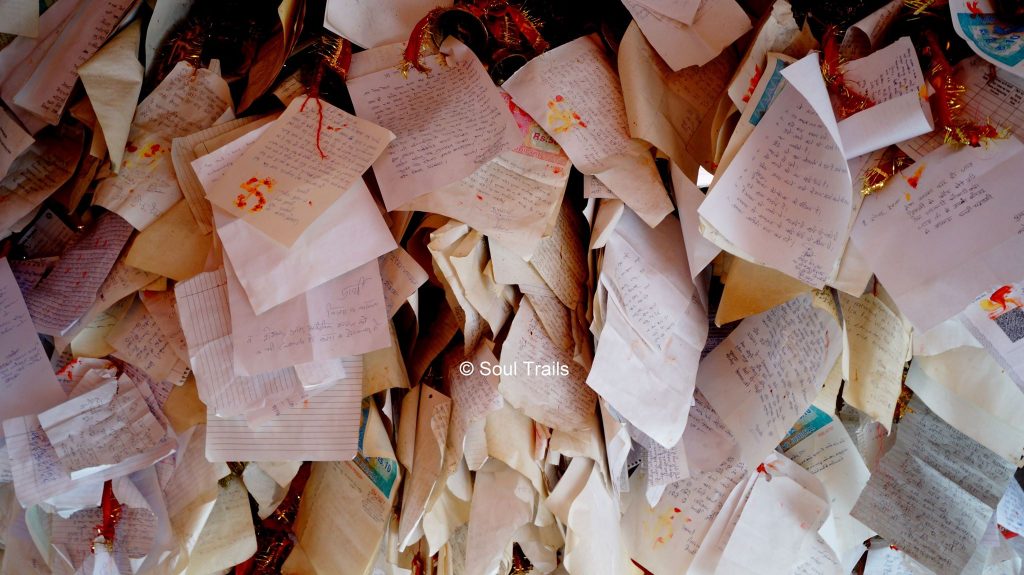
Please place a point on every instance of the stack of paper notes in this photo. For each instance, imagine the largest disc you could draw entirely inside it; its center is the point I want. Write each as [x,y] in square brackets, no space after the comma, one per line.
[494,287]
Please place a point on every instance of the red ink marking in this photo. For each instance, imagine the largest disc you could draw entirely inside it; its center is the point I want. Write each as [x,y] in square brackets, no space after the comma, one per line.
[916,178]
[974,9]
[758,71]
[319,123]
[677,510]
[252,188]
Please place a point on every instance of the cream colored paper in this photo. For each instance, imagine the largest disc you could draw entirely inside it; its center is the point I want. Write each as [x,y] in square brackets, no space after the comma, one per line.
[305,161]
[186,101]
[176,228]
[13,140]
[540,378]
[670,109]
[876,346]
[20,17]
[228,537]
[346,508]
[113,80]
[138,340]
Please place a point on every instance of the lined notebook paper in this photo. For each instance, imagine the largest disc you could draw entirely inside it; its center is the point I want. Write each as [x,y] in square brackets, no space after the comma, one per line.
[323,427]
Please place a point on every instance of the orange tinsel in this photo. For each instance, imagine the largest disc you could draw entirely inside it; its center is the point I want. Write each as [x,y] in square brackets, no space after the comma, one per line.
[848,101]
[958,130]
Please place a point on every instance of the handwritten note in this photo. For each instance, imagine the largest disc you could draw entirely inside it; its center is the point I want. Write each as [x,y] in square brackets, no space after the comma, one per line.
[139,340]
[49,87]
[892,78]
[401,276]
[47,236]
[186,101]
[664,540]
[946,230]
[473,397]
[206,322]
[37,173]
[345,316]
[575,95]
[561,258]
[512,199]
[299,167]
[272,273]
[786,199]
[768,371]
[447,123]
[62,297]
[934,492]
[543,380]
[654,329]
[26,381]
[13,141]
[876,345]
[102,427]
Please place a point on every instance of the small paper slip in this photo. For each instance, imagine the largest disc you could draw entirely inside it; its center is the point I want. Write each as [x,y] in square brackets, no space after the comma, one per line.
[298,168]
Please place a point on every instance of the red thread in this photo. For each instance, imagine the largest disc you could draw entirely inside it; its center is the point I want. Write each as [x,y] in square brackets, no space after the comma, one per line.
[319,122]
[111,510]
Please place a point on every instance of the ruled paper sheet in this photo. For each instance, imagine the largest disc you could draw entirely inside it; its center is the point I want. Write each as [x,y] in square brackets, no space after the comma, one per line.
[323,427]
[206,322]
[61,298]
